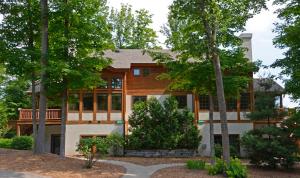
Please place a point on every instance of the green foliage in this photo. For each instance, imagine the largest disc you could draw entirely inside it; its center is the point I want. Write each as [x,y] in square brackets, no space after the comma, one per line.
[270,146]
[236,169]
[5,143]
[195,164]
[117,143]
[10,134]
[288,30]
[218,168]
[22,143]
[131,29]
[162,126]
[219,150]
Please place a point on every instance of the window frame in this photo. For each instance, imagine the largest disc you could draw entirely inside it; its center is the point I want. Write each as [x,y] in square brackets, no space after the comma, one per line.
[112,80]
[70,110]
[206,99]
[97,108]
[242,102]
[84,110]
[112,110]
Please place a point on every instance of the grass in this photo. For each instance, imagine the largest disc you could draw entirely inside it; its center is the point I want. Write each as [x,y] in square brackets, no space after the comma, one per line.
[195,164]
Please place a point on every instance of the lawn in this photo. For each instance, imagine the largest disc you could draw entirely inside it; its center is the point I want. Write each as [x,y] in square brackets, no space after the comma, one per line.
[53,166]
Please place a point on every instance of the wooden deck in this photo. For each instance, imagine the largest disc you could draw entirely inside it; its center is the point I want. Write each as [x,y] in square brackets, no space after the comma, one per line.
[52,116]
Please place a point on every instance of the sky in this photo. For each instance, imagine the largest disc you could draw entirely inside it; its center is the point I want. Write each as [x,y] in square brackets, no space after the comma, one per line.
[260,26]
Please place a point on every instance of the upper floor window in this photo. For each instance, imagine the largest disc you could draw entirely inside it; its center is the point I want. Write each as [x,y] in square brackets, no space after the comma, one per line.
[116,83]
[116,102]
[245,101]
[102,100]
[231,104]
[182,101]
[136,72]
[204,102]
[136,99]
[146,72]
[73,102]
[88,102]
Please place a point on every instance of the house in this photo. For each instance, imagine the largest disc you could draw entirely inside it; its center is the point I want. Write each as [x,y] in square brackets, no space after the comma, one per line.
[132,78]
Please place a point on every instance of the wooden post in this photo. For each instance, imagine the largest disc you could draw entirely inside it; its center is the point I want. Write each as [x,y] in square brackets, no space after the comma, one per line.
[18,130]
[238,107]
[281,101]
[94,105]
[196,108]
[80,105]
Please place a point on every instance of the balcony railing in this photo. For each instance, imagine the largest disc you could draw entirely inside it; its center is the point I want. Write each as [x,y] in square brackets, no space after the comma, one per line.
[51,114]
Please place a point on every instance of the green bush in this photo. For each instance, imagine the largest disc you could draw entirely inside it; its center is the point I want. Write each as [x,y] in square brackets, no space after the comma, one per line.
[22,143]
[236,169]
[116,142]
[5,143]
[218,168]
[10,134]
[270,146]
[162,126]
[195,164]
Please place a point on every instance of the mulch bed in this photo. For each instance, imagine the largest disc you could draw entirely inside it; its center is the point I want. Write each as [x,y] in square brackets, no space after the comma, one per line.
[53,166]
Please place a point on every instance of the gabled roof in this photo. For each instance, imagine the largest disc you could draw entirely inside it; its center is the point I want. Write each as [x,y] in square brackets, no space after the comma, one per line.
[267,85]
[123,58]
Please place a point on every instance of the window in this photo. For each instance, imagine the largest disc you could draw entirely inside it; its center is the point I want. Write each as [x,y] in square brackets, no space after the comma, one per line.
[116,101]
[231,104]
[204,102]
[136,72]
[136,99]
[102,102]
[116,83]
[245,101]
[146,72]
[73,102]
[88,101]
[182,101]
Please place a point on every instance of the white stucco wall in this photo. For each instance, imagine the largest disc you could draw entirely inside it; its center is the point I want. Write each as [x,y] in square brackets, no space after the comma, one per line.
[50,129]
[128,106]
[73,133]
[73,116]
[233,128]
[87,116]
[101,116]
[116,116]
[243,115]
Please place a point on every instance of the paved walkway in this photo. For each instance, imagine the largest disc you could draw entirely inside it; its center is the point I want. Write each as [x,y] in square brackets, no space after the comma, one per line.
[138,171]
[11,174]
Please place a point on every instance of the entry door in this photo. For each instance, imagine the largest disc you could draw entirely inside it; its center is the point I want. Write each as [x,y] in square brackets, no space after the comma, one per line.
[55,144]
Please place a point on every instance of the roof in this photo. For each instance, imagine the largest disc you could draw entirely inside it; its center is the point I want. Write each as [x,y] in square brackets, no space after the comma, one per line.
[267,85]
[123,58]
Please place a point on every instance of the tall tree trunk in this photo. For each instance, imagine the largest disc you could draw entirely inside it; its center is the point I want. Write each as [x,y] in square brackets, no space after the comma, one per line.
[211,129]
[43,88]
[65,84]
[33,83]
[63,122]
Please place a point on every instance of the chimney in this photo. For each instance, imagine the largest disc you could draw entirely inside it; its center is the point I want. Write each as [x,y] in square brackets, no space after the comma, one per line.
[247,37]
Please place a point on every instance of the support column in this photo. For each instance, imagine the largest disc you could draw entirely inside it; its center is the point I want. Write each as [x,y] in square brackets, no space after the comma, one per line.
[196,108]
[281,101]
[238,107]
[80,105]
[18,130]
[94,105]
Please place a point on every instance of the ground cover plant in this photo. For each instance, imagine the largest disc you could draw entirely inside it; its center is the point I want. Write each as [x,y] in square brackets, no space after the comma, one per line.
[195,164]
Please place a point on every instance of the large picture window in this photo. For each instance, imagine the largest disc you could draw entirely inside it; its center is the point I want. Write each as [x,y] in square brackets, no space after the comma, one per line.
[245,101]
[73,102]
[204,102]
[116,83]
[88,102]
[136,99]
[182,101]
[102,100]
[116,102]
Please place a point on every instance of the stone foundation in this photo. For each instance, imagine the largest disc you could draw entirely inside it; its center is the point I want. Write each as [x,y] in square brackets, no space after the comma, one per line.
[161,153]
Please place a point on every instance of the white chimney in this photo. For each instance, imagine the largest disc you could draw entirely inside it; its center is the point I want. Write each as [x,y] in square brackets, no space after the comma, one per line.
[247,37]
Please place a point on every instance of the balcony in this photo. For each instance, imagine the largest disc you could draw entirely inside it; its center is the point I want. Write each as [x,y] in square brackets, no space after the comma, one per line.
[52,115]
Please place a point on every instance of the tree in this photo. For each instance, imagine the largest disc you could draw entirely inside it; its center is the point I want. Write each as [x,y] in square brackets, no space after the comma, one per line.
[43,87]
[213,24]
[288,30]
[79,36]
[131,30]
[19,34]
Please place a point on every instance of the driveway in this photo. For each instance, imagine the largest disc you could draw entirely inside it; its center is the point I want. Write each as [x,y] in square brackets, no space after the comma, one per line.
[11,174]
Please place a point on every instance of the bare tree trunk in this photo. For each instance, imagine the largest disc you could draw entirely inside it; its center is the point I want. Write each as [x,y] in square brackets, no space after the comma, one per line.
[33,83]
[63,123]
[43,88]
[211,129]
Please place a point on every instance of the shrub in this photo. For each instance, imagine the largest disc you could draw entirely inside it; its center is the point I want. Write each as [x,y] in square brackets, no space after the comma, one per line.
[22,143]
[162,126]
[5,143]
[10,134]
[195,164]
[218,168]
[270,146]
[116,142]
[235,169]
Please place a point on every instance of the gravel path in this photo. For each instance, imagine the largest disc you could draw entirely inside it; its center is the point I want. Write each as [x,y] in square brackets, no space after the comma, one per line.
[11,174]
[134,170]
